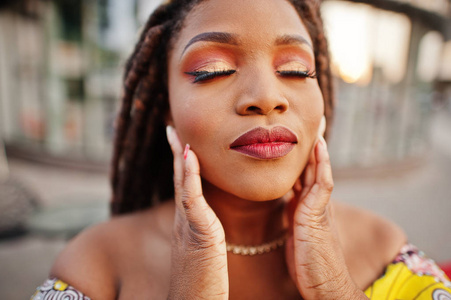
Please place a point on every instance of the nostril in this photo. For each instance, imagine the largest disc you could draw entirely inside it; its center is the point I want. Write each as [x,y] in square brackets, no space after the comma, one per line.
[253,108]
[258,110]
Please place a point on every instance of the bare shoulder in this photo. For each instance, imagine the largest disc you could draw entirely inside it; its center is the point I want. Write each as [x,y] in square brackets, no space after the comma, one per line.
[104,259]
[370,242]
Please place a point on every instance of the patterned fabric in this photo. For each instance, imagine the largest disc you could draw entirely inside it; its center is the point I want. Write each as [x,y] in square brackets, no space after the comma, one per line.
[411,276]
[54,289]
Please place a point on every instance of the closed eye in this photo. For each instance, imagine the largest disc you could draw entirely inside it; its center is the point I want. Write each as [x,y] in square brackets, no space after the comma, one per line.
[201,76]
[301,74]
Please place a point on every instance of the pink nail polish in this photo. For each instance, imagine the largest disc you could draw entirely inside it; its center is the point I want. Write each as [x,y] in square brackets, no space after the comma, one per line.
[185,154]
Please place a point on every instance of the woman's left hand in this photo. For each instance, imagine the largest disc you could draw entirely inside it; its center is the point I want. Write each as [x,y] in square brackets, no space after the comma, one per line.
[314,255]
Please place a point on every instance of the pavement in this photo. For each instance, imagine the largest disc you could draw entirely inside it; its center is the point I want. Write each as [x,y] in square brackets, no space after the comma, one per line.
[70,200]
[417,198]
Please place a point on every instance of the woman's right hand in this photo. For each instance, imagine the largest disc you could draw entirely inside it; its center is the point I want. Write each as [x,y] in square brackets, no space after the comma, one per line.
[199,256]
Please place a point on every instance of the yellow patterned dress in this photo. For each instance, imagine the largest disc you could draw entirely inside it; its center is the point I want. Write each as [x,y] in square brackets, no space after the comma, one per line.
[410,276]
[54,289]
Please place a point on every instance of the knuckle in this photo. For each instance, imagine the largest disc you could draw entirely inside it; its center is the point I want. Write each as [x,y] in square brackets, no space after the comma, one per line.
[178,185]
[198,240]
[208,228]
[328,185]
[189,172]
[189,200]
[202,238]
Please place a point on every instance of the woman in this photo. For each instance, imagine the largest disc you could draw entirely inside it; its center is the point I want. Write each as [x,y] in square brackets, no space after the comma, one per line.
[245,90]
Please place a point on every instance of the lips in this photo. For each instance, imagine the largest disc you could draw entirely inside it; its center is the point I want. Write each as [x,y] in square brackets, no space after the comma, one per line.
[262,143]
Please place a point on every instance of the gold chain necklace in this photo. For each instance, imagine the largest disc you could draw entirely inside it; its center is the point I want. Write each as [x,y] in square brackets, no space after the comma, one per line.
[257,249]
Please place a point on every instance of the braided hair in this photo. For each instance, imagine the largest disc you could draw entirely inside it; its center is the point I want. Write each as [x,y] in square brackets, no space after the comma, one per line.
[142,172]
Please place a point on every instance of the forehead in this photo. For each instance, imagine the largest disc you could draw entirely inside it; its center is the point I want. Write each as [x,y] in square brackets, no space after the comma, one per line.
[250,20]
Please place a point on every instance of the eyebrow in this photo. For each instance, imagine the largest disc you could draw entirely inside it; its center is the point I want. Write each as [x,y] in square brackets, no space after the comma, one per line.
[217,37]
[231,39]
[293,40]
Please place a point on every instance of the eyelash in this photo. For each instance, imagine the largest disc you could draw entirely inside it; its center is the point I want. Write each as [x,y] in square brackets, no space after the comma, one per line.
[200,76]
[302,74]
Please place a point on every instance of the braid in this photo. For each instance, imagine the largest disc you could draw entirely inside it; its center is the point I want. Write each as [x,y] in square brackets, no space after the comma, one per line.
[122,161]
[142,172]
[160,16]
[142,160]
[135,68]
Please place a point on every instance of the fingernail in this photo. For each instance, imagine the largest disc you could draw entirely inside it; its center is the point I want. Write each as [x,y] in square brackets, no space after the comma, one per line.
[323,142]
[169,130]
[185,154]
[322,126]
[297,185]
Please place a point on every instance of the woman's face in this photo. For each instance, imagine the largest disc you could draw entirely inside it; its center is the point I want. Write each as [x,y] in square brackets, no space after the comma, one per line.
[239,67]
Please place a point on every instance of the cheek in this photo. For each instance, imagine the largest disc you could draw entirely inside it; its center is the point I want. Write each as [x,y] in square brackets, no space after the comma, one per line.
[195,122]
[188,120]
[310,108]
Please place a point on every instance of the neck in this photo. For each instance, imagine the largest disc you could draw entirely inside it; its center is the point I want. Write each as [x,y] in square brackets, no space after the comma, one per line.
[246,222]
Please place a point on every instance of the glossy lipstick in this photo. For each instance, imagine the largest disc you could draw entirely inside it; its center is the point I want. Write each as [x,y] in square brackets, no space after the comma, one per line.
[262,143]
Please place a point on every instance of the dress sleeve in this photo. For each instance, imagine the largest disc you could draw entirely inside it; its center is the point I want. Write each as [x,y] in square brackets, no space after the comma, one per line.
[54,288]
[411,276]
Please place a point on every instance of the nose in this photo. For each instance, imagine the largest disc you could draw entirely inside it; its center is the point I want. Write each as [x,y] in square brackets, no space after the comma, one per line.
[261,96]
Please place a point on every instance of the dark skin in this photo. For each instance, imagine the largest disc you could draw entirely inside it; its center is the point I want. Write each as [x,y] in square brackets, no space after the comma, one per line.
[98,261]
[150,254]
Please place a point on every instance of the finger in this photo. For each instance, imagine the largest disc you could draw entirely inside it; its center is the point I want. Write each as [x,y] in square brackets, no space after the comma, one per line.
[177,152]
[198,213]
[324,171]
[174,140]
[309,174]
[322,126]
[295,191]
[322,189]
[297,187]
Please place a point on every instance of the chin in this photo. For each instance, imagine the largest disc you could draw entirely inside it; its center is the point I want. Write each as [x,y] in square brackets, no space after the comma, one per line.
[261,189]
[254,181]
[259,196]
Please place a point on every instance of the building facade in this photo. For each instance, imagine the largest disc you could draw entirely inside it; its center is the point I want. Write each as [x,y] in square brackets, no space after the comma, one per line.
[61,66]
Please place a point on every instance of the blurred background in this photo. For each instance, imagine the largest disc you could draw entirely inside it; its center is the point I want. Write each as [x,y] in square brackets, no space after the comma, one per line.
[60,77]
